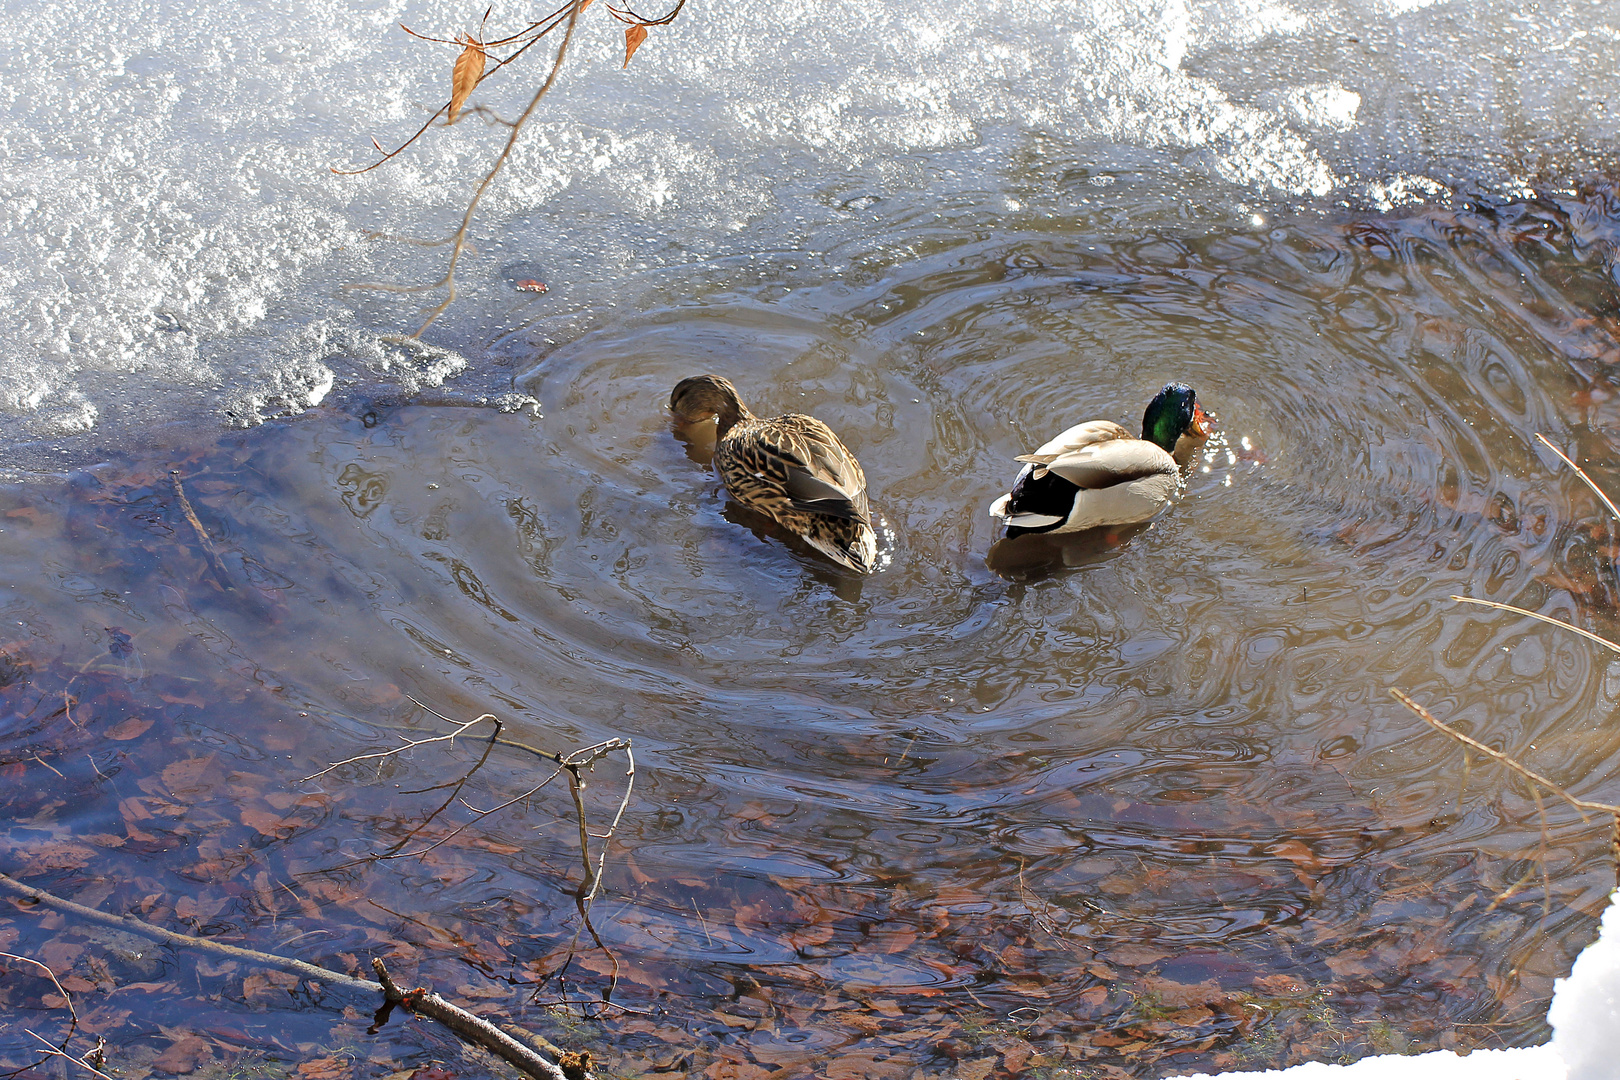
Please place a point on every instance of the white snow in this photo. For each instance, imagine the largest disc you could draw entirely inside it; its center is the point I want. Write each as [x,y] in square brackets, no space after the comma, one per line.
[171,230]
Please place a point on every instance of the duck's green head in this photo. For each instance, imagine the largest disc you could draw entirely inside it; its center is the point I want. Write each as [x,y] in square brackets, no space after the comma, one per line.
[1172,413]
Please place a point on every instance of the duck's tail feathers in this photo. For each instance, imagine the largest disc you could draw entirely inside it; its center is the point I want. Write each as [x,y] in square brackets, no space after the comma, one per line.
[859,554]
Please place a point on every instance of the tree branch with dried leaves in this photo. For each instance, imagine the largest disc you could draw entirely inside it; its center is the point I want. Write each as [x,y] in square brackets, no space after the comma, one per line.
[471,67]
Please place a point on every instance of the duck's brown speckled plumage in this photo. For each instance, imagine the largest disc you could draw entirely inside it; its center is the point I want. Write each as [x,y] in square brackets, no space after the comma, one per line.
[791,468]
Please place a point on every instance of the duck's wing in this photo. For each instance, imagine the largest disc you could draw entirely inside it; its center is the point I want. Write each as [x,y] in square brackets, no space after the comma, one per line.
[1115,461]
[795,460]
[1073,441]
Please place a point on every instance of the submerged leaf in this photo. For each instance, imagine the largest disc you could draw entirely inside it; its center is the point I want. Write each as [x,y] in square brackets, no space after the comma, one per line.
[634,35]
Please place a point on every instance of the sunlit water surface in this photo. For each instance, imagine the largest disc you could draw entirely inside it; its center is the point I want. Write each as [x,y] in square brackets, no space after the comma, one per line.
[1147,805]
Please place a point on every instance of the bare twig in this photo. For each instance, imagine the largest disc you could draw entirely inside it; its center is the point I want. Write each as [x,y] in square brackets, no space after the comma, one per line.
[83,1062]
[625,14]
[158,933]
[1549,620]
[1580,805]
[576,764]
[469,1027]
[214,562]
[1582,474]
[459,239]
[73,1013]
[53,1049]
[410,744]
[394,852]
[521,42]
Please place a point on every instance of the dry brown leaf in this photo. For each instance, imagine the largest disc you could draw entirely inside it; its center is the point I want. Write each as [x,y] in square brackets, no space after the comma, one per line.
[1280,985]
[327,1068]
[735,1070]
[1132,955]
[269,987]
[468,70]
[1094,996]
[183,1056]
[867,1065]
[55,855]
[186,777]
[634,35]
[975,1070]
[1298,854]
[266,823]
[133,727]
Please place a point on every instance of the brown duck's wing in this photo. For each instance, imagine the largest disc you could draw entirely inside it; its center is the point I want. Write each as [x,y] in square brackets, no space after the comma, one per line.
[793,462]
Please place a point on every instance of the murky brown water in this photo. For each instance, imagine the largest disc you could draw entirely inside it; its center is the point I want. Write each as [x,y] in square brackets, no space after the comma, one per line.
[1148,811]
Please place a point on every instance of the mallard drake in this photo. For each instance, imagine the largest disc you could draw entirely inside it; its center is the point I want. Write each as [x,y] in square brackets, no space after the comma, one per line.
[792,468]
[1096,473]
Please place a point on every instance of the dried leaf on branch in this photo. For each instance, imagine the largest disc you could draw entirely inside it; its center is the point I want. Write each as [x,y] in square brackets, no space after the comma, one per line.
[634,35]
[470,67]
[468,70]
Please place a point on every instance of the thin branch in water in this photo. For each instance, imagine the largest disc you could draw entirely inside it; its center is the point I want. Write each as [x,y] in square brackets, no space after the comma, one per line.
[410,744]
[1580,805]
[454,792]
[1549,620]
[84,1062]
[426,1003]
[139,926]
[1582,474]
[73,1014]
[469,1028]
[214,562]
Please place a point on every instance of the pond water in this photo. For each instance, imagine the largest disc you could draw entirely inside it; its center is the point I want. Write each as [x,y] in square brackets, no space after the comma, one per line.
[1077,810]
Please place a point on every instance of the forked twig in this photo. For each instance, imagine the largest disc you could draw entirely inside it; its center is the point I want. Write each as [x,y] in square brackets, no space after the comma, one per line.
[523,40]
[410,744]
[55,1049]
[459,238]
[98,1052]
[575,763]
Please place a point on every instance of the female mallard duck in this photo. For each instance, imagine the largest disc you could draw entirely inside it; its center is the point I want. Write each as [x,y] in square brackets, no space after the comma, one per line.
[1096,474]
[791,468]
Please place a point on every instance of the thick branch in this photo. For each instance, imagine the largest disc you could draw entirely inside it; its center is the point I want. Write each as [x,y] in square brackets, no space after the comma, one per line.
[468,1027]
[158,933]
[426,1003]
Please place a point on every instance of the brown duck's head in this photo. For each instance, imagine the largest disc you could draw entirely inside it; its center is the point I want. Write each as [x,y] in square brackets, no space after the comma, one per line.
[703,396]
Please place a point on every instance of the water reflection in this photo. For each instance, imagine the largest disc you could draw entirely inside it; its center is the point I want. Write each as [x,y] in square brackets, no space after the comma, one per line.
[1035,556]
[884,806]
